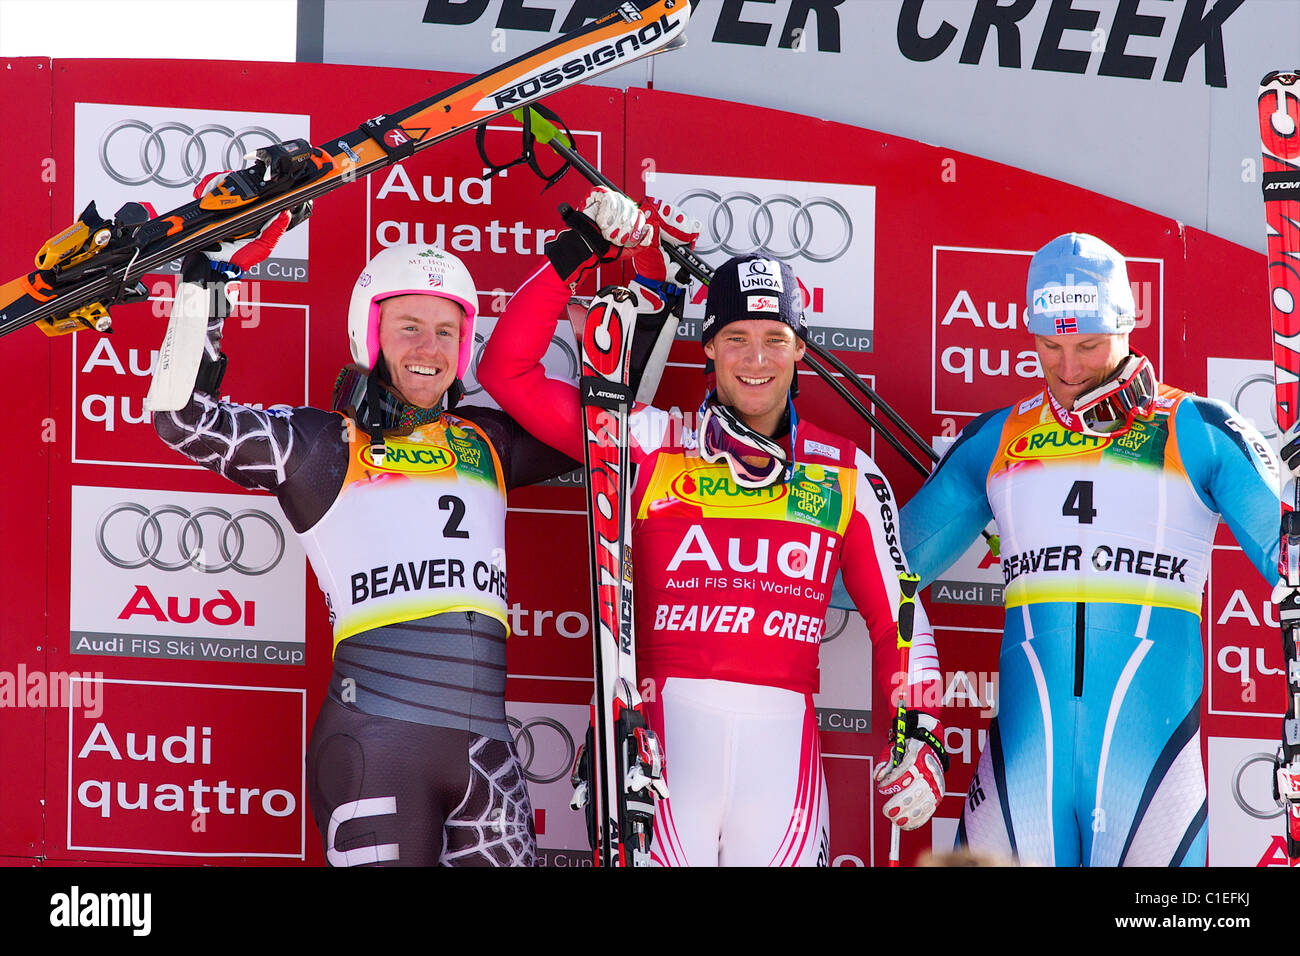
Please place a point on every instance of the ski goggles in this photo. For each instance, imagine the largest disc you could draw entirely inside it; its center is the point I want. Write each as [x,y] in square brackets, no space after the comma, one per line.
[1110,408]
[754,461]
[349,389]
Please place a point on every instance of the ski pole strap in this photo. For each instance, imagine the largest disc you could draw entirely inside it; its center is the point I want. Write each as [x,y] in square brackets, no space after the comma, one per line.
[600,247]
[528,153]
[909,727]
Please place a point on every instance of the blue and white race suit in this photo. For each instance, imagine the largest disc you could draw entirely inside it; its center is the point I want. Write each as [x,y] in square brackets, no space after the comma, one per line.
[1094,757]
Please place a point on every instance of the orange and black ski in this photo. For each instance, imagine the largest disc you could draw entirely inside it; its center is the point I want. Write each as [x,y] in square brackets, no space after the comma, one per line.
[97,262]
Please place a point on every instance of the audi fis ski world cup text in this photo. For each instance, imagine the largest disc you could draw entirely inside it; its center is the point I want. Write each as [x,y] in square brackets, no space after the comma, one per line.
[186,576]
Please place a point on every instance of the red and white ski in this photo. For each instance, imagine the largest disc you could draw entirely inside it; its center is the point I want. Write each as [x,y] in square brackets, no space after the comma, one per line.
[622,764]
[1279,131]
[97,262]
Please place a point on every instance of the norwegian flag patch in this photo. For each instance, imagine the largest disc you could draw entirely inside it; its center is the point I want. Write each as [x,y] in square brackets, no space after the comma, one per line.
[1066,326]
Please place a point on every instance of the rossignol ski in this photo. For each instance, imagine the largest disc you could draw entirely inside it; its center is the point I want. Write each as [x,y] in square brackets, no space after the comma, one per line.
[1279,131]
[96,262]
[620,770]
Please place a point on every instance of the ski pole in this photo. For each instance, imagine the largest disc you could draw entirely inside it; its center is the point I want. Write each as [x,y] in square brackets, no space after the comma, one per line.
[866,415]
[548,133]
[907,585]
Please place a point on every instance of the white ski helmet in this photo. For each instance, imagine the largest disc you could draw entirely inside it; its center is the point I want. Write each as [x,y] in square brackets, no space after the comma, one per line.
[409,270]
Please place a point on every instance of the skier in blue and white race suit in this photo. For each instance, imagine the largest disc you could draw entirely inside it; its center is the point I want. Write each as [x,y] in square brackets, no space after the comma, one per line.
[1106,487]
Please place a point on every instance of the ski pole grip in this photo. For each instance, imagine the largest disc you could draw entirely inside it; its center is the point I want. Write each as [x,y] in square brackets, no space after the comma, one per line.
[907,585]
[543,129]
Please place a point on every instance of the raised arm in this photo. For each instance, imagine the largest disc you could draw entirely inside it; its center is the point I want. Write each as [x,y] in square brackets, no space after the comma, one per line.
[255,448]
[511,368]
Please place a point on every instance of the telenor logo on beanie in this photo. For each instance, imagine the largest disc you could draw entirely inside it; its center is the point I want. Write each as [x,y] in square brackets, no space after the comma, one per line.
[1065,298]
[1079,284]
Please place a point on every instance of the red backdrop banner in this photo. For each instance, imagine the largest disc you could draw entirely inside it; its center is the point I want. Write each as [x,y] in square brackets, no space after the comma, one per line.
[178,729]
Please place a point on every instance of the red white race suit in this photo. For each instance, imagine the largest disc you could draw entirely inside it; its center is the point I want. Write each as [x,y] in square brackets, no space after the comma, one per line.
[732,586]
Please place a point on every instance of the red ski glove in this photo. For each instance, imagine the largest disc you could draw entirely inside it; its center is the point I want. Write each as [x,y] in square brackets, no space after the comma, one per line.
[672,226]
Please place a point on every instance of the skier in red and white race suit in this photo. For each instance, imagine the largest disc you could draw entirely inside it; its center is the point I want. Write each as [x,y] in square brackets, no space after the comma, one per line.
[737,538]
[400,503]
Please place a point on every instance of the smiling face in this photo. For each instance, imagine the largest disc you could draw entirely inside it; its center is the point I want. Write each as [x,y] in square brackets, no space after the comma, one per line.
[1073,364]
[754,362]
[419,336]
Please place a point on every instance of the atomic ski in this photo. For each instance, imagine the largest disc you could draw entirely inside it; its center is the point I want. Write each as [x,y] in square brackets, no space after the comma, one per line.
[1279,131]
[620,769]
[97,262]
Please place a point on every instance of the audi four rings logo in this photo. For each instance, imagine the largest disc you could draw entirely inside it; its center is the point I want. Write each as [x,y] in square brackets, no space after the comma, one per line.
[124,546]
[1261,399]
[472,387]
[1269,811]
[779,226]
[837,619]
[174,145]
[553,768]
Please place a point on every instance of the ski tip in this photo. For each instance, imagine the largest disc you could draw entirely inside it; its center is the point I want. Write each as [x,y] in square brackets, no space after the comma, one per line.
[1284,77]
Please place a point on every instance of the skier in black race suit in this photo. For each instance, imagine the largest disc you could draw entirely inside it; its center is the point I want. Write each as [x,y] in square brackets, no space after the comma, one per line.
[399,498]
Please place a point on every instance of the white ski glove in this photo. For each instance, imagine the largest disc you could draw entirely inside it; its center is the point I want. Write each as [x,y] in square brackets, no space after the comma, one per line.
[619,219]
[915,787]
